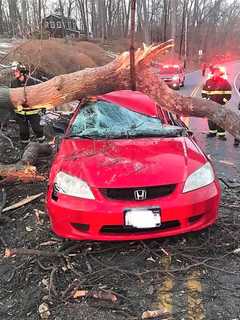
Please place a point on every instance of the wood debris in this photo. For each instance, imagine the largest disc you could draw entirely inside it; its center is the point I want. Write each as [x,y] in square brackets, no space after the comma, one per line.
[21,203]
[155,313]
[44,311]
[102,295]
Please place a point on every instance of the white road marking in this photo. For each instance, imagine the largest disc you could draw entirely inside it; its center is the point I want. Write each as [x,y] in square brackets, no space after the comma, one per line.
[234,83]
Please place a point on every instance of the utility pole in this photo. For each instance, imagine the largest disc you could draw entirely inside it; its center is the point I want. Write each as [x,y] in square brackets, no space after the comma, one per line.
[173,20]
[182,29]
[132,46]
[185,40]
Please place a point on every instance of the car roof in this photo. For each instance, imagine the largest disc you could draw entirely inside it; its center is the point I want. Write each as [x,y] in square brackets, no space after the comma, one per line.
[133,100]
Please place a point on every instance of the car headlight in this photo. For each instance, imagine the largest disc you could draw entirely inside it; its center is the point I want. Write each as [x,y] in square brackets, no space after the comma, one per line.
[72,186]
[175,78]
[200,178]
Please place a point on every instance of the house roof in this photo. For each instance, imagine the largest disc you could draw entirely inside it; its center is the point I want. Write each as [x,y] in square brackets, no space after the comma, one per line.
[59,16]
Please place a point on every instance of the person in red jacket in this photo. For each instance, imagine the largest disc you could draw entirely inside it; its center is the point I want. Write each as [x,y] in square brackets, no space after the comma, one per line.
[219,90]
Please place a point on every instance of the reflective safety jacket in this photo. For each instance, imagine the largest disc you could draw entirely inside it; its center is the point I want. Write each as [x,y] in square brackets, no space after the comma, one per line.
[217,89]
[28,81]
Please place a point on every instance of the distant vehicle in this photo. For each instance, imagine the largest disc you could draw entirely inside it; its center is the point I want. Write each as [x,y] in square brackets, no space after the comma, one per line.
[222,70]
[173,75]
[128,170]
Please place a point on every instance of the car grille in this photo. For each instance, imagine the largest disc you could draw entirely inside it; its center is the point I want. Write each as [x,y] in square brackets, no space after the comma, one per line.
[119,229]
[130,193]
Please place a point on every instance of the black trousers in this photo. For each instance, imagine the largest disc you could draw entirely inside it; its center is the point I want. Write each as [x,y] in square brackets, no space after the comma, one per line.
[24,122]
[215,128]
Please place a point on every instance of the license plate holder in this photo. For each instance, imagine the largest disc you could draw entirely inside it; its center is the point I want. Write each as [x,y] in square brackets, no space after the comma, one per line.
[143,218]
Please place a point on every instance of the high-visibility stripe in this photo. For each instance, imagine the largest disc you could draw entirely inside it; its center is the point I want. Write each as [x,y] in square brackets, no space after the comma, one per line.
[27,113]
[213,131]
[221,134]
[216,92]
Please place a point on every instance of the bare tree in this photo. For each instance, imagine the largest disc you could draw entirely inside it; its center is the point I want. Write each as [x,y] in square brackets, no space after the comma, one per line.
[1,17]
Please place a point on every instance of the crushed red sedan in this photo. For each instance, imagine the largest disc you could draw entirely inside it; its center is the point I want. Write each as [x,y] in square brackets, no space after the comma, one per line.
[128,170]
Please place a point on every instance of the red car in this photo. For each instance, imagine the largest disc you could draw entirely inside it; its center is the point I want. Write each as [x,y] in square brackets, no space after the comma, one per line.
[128,170]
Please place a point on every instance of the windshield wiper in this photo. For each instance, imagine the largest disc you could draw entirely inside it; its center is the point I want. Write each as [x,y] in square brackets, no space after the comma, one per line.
[79,136]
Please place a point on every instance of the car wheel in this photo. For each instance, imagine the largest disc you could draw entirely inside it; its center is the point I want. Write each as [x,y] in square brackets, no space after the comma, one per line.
[182,84]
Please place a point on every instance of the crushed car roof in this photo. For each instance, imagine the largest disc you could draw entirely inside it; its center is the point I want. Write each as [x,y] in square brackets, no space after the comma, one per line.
[133,100]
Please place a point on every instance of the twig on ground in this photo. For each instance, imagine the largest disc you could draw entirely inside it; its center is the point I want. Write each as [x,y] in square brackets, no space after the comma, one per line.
[3,199]
[43,267]
[52,287]
[21,203]
[71,289]
[30,252]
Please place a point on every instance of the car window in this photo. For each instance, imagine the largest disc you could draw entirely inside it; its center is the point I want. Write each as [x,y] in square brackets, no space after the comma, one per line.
[102,119]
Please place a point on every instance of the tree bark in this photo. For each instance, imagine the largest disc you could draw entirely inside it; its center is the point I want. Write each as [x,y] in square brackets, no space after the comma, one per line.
[116,76]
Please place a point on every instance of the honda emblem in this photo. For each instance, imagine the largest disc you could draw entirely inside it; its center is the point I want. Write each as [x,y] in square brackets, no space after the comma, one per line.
[140,194]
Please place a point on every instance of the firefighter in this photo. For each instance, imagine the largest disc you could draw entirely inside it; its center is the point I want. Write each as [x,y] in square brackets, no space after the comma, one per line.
[25,116]
[211,68]
[219,90]
[204,67]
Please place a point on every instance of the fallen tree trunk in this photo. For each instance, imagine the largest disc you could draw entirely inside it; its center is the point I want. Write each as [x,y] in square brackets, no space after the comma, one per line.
[24,170]
[116,76]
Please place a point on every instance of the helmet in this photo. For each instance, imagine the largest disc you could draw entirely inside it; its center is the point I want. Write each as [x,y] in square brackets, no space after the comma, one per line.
[19,66]
[218,71]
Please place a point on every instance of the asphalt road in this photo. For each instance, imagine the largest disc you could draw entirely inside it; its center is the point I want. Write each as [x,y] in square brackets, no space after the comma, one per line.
[226,157]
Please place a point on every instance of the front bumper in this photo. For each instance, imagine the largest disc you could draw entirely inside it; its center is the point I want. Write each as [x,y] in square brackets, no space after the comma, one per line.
[82,219]
[172,83]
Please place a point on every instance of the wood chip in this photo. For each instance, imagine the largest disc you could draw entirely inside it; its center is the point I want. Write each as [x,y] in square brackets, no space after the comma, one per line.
[80,294]
[155,313]
[44,311]
[226,162]
[102,295]
[7,253]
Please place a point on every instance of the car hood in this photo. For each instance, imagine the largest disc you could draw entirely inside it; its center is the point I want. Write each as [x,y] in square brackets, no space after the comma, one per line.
[129,163]
[167,75]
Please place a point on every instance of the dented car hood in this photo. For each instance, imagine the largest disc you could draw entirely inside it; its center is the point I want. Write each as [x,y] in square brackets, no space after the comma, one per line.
[122,163]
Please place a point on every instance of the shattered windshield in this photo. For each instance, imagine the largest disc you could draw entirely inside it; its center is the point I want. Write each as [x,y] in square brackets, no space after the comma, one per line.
[106,120]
